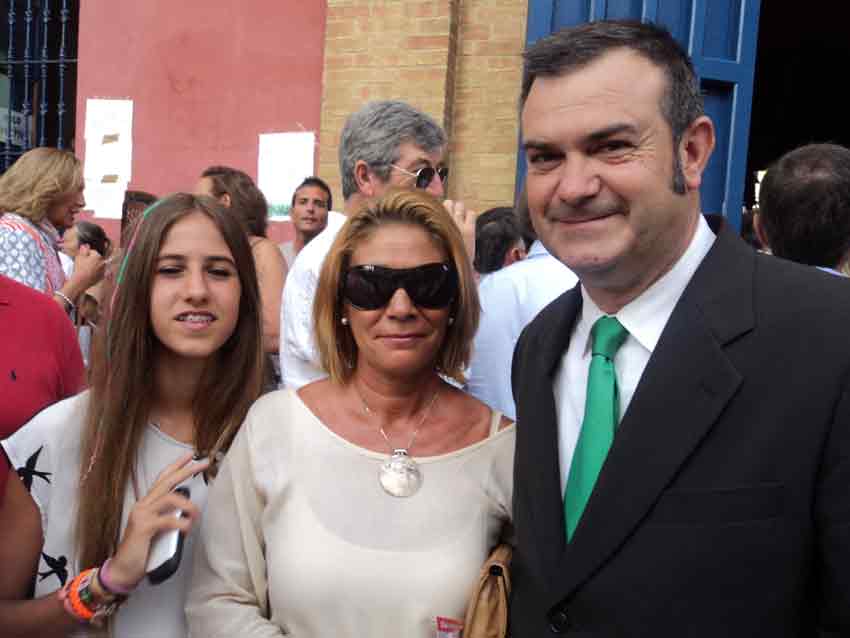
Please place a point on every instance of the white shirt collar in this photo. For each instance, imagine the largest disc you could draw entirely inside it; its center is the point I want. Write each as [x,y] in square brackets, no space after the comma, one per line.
[646,316]
[537,249]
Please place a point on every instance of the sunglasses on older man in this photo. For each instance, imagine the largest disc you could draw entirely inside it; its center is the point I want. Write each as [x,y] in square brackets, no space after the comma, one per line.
[425,175]
[371,287]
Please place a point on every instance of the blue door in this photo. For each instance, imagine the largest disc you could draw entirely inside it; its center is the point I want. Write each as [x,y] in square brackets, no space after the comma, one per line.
[720,36]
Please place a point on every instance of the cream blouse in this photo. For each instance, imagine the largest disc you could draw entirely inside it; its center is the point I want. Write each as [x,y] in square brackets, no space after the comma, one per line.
[300,539]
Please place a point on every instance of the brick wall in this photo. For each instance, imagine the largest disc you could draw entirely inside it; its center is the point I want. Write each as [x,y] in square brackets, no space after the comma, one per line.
[382,49]
[484,137]
[458,60]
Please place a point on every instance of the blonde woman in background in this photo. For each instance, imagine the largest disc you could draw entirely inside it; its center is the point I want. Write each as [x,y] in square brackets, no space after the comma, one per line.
[39,197]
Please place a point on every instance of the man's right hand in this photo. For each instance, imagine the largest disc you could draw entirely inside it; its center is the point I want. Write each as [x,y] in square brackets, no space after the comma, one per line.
[465,220]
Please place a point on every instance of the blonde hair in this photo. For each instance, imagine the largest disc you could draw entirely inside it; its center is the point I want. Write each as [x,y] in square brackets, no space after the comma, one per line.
[38,180]
[337,348]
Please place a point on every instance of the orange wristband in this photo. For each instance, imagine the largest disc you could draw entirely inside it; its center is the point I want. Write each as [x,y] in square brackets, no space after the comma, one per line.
[79,609]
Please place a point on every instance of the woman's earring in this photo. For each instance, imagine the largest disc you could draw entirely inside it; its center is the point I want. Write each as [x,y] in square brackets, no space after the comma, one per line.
[344,321]
[451,320]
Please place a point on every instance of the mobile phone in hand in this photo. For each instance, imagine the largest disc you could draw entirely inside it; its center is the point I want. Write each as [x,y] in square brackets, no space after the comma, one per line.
[166,549]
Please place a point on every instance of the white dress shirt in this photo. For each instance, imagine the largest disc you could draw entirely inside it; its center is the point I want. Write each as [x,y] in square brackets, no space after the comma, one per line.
[299,357]
[645,319]
[510,299]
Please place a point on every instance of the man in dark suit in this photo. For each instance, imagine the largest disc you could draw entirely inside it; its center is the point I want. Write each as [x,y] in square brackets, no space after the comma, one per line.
[804,207]
[683,449]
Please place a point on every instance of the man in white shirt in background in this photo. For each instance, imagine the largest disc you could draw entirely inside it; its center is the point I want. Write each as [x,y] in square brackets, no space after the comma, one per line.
[499,241]
[311,203]
[385,143]
[510,299]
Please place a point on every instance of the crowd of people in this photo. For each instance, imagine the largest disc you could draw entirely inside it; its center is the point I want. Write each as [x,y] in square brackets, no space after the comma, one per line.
[339,430]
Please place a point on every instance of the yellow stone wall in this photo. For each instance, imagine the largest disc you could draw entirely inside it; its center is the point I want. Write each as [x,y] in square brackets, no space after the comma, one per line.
[458,60]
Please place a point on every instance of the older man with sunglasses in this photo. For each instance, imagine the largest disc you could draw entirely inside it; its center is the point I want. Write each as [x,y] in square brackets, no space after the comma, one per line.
[384,144]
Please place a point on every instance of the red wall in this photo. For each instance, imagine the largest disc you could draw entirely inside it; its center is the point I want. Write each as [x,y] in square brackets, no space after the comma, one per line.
[206,79]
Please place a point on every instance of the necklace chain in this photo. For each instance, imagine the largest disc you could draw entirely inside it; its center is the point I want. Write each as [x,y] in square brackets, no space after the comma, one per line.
[425,414]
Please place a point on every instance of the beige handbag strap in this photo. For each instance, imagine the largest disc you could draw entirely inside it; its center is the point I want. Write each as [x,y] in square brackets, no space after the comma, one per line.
[487,612]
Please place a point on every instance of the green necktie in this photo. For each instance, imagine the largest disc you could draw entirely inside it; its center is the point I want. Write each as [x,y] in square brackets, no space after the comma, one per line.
[601,414]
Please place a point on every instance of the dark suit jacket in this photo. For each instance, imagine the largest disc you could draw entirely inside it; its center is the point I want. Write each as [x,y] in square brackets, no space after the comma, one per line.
[723,508]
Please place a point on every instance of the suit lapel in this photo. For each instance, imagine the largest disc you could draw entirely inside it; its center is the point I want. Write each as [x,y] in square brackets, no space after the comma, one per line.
[537,432]
[684,389]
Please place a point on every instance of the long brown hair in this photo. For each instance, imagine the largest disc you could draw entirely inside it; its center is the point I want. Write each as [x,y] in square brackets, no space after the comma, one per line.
[123,374]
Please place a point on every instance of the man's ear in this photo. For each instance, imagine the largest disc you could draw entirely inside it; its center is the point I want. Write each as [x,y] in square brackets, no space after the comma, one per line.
[758,227]
[514,255]
[364,178]
[695,149]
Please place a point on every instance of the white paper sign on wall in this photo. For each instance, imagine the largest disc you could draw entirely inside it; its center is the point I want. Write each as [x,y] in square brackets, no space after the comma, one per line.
[283,161]
[109,154]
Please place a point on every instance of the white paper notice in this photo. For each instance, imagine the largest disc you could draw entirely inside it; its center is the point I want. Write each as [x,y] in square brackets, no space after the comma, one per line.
[109,154]
[284,160]
[105,198]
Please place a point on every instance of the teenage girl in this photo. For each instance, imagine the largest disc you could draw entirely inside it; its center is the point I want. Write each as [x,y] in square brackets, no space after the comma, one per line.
[176,365]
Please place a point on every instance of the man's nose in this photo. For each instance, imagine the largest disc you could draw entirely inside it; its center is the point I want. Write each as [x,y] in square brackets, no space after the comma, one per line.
[436,186]
[578,181]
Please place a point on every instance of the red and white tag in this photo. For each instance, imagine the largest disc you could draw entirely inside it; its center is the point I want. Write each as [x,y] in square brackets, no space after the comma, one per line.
[448,628]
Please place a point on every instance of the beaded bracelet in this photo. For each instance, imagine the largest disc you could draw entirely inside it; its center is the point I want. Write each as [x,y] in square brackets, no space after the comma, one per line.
[79,601]
[76,604]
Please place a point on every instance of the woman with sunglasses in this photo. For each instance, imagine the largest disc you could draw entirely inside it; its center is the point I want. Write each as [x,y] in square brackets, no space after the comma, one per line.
[366,503]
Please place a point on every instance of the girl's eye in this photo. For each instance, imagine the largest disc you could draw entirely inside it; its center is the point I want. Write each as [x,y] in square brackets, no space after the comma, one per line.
[221,272]
[169,270]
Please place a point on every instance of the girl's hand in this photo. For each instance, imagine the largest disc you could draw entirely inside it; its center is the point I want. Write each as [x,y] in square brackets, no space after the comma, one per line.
[151,515]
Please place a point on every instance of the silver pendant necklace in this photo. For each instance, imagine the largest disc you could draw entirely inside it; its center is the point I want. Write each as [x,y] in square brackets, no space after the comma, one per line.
[400,475]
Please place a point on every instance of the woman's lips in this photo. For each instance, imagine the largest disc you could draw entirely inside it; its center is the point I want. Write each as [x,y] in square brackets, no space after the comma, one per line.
[401,340]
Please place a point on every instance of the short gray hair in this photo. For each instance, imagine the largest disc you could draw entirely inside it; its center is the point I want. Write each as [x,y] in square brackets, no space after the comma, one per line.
[374,133]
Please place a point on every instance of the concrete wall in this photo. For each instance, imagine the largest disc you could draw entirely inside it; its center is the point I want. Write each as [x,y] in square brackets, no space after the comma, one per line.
[206,79]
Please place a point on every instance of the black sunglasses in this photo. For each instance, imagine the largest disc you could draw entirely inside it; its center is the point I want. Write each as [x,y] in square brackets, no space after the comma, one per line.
[371,287]
[425,175]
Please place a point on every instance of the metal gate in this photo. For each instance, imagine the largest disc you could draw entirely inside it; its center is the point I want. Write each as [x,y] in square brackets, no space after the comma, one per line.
[38,75]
